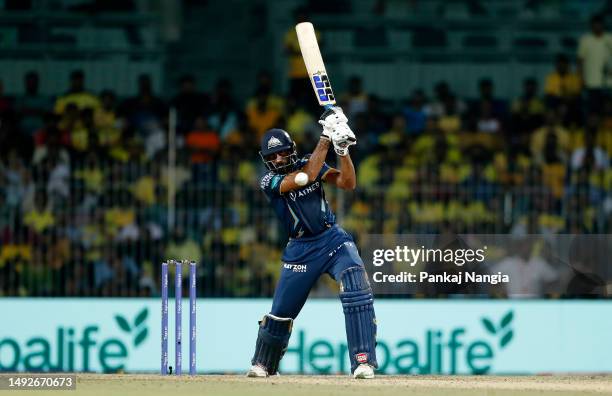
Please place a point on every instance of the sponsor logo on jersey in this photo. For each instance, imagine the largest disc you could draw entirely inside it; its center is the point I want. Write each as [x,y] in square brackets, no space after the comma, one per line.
[265,181]
[304,191]
[295,267]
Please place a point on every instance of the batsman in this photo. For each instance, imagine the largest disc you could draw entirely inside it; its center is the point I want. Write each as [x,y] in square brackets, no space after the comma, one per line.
[317,245]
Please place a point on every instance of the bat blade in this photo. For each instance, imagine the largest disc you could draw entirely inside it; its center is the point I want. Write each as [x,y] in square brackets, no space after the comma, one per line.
[314,64]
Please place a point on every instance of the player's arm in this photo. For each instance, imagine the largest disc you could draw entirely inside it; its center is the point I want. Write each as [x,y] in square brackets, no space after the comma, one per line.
[336,132]
[344,177]
[312,167]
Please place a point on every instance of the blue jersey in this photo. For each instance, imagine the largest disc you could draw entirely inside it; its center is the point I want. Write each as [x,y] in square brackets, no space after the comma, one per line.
[304,212]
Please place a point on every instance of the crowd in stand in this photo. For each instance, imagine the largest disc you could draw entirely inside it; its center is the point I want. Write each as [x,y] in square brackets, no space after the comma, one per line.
[84,177]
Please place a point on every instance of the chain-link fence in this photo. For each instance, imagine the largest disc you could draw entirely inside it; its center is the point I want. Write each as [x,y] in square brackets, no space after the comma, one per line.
[88,227]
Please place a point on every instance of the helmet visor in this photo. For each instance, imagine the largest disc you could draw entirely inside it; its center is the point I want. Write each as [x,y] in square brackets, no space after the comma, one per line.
[281,162]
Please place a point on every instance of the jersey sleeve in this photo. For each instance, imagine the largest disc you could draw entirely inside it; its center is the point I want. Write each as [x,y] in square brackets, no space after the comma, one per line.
[270,184]
[324,169]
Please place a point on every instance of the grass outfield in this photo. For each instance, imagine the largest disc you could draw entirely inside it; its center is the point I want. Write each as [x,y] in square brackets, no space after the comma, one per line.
[306,385]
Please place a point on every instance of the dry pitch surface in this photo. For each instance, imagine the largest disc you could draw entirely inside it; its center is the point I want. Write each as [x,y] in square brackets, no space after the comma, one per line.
[292,385]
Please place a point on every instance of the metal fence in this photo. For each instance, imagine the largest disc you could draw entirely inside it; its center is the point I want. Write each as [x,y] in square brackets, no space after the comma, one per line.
[93,228]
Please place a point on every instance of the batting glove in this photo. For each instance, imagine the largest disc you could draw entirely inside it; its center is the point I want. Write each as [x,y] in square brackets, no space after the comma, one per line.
[342,138]
[336,129]
[329,119]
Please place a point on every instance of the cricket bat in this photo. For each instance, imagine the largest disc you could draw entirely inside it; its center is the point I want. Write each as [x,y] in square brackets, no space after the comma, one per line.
[314,64]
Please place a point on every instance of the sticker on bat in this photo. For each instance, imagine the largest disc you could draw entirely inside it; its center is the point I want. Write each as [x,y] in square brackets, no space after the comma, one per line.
[324,91]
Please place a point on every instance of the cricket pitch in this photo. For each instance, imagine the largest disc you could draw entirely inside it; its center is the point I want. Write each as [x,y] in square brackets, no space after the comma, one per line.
[315,385]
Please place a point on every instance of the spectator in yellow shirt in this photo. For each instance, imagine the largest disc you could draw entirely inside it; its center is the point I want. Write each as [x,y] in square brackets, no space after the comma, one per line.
[562,83]
[122,214]
[262,113]
[563,88]
[40,217]
[106,120]
[91,174]
[553,161]
[262,116]
[529,102]
[77,94]
[540,136]
[183,245]
[264,88]
[301,124]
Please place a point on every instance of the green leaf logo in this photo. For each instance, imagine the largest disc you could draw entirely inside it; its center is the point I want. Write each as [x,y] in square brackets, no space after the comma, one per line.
[504,330]
[505,326]
[506,339]
[489,325]
[141,337]
[123,324]
[506,320]
[141,317]
[139,326]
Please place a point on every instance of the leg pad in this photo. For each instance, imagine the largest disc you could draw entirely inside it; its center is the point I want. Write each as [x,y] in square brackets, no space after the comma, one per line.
[272,340]
[360,320]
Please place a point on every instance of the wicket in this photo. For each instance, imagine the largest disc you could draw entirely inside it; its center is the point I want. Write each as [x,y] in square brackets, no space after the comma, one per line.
[178,316]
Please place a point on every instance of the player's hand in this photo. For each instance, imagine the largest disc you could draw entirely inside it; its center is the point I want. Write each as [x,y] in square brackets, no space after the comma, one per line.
[336,129]
[330,120]
[342,138]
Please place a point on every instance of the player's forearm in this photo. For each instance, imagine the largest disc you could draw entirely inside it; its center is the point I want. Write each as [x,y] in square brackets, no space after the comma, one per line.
[347,179]
[315,163]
